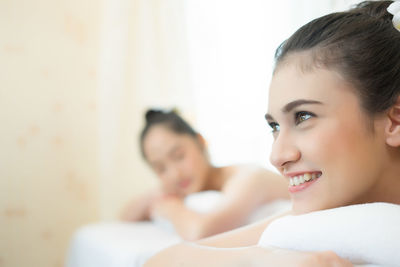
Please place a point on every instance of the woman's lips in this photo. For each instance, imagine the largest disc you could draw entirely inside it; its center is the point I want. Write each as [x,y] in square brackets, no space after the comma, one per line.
[302,181]
[297,188]
[184,183]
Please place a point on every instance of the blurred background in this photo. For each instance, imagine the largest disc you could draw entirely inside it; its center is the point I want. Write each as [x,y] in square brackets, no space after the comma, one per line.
[76,77]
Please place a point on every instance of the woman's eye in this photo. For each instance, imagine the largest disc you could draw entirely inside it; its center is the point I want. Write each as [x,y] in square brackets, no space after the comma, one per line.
[274,126]
[178,156]
[159,169]
[302,116]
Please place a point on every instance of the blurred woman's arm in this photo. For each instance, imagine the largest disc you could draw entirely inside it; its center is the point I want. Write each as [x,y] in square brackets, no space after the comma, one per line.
[138,209]
[242,196]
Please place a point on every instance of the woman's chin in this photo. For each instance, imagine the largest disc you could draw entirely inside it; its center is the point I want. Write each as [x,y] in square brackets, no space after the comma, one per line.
[302,208]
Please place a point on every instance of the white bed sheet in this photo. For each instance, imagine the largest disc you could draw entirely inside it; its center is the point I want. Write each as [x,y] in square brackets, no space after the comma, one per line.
[119,244]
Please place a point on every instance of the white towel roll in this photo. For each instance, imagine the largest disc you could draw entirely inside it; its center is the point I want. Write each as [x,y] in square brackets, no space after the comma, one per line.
[366,234]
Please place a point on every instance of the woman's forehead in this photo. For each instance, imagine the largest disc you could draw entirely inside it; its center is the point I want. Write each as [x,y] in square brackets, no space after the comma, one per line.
[162,135]
[160,142]
[290,83]
[303,60]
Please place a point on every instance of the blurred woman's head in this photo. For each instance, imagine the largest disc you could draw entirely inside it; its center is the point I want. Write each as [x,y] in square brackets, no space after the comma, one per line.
[335,109]
[175,151]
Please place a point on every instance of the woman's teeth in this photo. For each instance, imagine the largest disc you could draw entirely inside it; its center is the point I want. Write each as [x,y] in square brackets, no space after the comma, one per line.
[301,179]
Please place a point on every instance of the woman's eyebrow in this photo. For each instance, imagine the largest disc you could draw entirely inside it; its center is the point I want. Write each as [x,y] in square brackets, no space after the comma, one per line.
[174,149]
[268,117]
[291,105]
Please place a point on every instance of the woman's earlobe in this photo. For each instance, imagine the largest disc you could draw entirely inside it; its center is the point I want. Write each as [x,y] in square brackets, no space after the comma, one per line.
[392,129]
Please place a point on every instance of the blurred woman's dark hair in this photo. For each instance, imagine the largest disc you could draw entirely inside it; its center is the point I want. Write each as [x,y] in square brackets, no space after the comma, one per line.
[169,119]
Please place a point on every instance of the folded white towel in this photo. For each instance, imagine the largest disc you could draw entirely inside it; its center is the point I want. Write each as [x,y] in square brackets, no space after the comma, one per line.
[365,234]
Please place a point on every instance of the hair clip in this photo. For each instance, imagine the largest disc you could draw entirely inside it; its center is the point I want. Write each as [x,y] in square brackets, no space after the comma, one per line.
[175,110]
[394,9]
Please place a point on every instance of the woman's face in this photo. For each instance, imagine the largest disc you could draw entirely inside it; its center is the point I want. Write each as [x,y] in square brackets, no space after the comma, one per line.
[330,152]
[179,160]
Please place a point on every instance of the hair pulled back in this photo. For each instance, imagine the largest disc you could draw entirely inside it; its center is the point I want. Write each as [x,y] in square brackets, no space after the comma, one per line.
[168,119]
[361,44]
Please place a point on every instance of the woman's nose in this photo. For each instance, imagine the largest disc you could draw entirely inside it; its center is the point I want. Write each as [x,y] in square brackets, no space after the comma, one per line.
[174,174]
[284,151]
[170,179]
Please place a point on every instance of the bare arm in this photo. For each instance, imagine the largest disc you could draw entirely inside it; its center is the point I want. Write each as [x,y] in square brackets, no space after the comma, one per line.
[238,248]
[245,236]
[192,255]
[242,196]
[138,209]
[212,251]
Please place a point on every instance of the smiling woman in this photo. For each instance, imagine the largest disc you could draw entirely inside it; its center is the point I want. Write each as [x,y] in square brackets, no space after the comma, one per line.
[315,134]
[334,110]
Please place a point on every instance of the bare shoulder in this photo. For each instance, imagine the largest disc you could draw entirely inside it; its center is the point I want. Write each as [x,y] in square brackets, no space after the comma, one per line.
[255,183]
[253,178]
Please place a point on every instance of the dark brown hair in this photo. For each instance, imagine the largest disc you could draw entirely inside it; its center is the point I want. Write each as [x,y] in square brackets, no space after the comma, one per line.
[361,44]
[168,119]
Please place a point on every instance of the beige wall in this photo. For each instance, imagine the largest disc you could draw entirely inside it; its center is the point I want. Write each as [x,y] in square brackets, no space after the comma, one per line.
[70,119]
[48,165]
[48,127]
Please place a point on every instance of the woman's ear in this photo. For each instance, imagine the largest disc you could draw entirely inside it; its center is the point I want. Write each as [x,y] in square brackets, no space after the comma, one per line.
[392,129]
[202,141]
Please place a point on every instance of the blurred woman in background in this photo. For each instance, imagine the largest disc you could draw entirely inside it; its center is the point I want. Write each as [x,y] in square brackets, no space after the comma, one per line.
[178,155]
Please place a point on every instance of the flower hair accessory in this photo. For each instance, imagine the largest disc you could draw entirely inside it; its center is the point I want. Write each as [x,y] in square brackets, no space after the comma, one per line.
[394,9]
